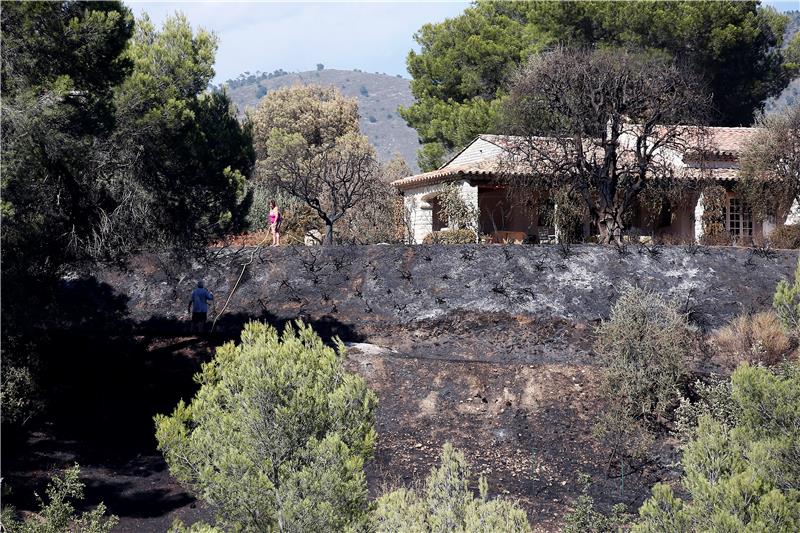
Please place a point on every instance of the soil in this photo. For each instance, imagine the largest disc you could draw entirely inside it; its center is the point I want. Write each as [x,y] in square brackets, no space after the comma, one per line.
[486,347]
[517,394]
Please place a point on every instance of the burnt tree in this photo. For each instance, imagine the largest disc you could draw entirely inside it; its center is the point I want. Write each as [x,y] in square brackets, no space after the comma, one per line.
[606,125]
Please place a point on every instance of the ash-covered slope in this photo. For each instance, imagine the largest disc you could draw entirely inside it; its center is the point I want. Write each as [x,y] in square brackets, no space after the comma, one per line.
[359,286]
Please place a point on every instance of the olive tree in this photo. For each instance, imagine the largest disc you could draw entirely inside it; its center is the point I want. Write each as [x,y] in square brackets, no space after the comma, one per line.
[308,144]
[447,504]
[276,437]
[605,123]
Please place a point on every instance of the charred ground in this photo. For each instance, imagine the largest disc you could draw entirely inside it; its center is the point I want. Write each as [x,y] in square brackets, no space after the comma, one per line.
[489,348]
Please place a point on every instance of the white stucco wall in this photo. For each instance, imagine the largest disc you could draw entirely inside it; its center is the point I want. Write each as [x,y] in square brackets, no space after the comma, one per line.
[419,212]
[699,209]
[794,214]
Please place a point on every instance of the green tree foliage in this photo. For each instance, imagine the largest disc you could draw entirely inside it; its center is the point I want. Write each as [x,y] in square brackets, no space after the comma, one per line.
[276,437]
[792,52]
[786,302]
[447,504]
[460,72]
[188,154]
[58,515]
[741,477]
[110,146]
[733,46]
[309,146]
[463,64]
[643,346]
[60,64]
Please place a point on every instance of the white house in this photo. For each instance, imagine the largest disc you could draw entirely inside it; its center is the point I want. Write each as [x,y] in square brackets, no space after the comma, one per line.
[476,170]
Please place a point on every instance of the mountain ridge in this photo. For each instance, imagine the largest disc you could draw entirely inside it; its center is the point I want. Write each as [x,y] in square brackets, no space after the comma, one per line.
[379,96]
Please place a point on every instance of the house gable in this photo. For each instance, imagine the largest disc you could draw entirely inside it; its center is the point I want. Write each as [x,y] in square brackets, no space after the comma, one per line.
[478,151]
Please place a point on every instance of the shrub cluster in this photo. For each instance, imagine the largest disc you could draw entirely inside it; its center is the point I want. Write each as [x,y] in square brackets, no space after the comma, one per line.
[643,346]
[447,504]
[58,513]
[786,302]
[455,236]
[276,438]
[585,517]
[756,338]
[786,237]
[741,476]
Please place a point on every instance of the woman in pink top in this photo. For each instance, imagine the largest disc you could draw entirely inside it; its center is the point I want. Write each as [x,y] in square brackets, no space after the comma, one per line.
[275,219]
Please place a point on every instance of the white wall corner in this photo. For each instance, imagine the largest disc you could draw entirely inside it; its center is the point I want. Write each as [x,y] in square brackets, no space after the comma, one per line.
[699,209]
[794,214]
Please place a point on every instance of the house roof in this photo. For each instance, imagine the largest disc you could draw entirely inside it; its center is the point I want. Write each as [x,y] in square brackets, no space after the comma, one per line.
[730,141]
[482,158]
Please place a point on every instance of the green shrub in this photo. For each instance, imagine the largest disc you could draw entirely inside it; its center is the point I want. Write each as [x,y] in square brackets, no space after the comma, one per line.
[714,399]
[18,393]
[786,237]
[277,435]
[743,477]
[198,527]
[585,518]
[786,302]
[455,236]
[447,504]
[58,514]
[643,346]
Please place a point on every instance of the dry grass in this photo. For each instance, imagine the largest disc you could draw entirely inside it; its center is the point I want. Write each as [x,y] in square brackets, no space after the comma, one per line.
[756,338]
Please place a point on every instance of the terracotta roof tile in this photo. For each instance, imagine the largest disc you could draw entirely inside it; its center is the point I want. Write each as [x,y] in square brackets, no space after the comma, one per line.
[725,143]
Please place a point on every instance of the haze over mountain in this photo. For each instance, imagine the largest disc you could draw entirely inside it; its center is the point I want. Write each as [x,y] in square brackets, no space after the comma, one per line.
[379,96]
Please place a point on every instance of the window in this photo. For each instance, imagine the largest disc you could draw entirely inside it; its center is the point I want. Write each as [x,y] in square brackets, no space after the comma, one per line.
[739,219]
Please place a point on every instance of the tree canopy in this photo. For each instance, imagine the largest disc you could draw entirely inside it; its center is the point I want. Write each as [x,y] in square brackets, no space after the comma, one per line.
[605,124]
[276,437]
[111,146]
[464,63]
[770,163]
[309,146]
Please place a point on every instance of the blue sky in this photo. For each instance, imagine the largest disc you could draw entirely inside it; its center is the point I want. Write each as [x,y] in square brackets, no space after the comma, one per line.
[372,36]
[295,36]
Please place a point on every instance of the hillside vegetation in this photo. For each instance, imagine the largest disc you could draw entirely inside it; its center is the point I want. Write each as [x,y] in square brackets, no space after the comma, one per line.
[379,96]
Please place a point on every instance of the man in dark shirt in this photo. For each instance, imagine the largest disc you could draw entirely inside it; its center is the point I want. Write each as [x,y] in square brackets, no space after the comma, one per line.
[198,306]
